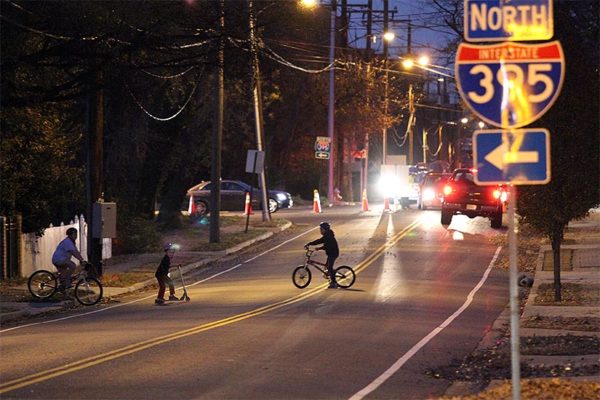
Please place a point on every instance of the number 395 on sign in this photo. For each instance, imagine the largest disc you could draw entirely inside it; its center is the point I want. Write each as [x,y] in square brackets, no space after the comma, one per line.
[510,85]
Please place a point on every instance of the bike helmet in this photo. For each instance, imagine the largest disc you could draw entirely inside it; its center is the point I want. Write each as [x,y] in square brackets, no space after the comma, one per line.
[169,246]
[325,226]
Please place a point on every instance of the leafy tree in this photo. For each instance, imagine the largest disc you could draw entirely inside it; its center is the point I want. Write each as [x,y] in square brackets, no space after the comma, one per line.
[573,122]
[40,167]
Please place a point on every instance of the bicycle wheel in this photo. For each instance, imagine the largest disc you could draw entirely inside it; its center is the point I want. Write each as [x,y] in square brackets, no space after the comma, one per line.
[301,277]
[88,291]
[42,284]
[345,276]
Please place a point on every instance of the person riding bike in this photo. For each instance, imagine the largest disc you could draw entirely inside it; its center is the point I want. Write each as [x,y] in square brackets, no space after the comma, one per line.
[62,259]
[331,249]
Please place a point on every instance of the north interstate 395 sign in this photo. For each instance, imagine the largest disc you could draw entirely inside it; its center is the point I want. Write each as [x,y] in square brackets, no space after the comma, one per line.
[513,20]
[510,85]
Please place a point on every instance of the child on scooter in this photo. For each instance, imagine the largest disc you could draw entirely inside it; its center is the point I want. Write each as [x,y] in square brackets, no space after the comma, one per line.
[162,275]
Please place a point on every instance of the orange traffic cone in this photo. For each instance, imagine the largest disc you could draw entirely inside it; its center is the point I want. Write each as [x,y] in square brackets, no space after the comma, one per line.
[248,208]
[316,202]
[386,204]
[192,206]
[365,202]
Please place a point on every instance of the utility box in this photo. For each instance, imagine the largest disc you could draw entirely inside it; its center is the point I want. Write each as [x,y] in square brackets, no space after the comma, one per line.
[104,220]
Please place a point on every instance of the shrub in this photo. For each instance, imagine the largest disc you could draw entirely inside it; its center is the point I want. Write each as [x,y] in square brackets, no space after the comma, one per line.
[136,235]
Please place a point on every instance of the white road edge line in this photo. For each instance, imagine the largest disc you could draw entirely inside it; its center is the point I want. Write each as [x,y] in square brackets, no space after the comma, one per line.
[408,355]
[148,297]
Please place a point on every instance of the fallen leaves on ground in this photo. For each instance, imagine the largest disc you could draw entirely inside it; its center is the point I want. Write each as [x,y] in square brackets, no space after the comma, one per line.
[485,365]
[540,389]
[585,324]
[572,294]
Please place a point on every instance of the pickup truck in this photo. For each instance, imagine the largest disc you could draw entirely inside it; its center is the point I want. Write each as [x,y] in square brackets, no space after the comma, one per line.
[463,196]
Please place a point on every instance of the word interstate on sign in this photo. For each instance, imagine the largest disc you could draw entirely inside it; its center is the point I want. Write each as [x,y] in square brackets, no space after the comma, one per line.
[508,53]
[498,20]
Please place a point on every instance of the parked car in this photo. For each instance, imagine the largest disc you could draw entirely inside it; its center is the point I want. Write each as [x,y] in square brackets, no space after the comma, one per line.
[233,197]
[431,190]
[463,196]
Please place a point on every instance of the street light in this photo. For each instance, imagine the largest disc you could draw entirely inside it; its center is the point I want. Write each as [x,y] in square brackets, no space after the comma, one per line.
[389,36]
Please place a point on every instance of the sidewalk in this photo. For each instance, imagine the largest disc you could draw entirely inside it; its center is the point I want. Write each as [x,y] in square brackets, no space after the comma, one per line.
[576,319]
[141,266]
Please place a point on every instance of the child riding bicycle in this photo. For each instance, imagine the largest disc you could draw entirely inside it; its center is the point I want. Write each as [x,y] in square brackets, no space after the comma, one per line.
[331,249]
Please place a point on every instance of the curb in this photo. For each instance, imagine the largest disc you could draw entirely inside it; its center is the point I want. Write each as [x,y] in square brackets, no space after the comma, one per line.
[462,388]
[28,311]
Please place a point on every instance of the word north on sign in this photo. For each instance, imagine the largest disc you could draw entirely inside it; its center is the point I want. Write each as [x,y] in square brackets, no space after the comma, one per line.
[519,157]
[508,20]
[510,85]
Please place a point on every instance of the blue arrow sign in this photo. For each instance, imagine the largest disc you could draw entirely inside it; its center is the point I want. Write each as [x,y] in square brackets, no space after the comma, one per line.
[514,20]
[519,157]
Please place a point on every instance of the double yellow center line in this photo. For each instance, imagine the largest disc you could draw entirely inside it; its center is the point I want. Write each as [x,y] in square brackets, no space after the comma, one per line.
[136,347]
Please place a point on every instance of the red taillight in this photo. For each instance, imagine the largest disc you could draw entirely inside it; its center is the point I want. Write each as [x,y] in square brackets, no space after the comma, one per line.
[447,190]
[500,195]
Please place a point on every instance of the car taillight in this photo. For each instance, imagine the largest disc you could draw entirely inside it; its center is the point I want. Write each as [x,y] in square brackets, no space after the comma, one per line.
[447,190]
[500,195]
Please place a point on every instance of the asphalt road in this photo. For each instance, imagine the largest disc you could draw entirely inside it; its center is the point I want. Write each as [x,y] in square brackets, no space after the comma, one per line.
[248,333]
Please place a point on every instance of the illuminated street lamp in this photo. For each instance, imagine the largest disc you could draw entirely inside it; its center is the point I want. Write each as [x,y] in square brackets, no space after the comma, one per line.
[423,60]
[389,36]
[408,63]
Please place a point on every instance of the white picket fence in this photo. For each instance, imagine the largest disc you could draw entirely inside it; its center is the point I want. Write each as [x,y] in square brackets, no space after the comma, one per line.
[37,251]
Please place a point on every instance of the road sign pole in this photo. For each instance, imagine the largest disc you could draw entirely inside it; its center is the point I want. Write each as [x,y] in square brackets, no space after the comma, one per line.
[514,296]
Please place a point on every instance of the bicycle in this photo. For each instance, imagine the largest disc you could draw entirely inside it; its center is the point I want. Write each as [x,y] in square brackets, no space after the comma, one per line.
[301,277]
[42,284]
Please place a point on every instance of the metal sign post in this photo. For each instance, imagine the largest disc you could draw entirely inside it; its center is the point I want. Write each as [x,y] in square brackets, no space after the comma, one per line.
[255,164]
[514,296]
[510,85]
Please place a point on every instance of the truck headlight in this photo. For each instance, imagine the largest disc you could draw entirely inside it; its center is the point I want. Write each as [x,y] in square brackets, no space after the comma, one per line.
[428,194]
[388,186]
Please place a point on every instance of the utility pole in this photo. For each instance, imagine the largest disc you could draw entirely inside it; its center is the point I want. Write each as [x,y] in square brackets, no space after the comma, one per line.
[94,167]
[365,171]
[217,135]
[331,109]
[424,145]
[258,111]
[411,103]
[369,29]
[411,123]
[386,82]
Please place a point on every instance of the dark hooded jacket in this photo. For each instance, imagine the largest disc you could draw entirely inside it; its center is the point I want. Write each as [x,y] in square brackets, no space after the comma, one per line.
[329,243]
